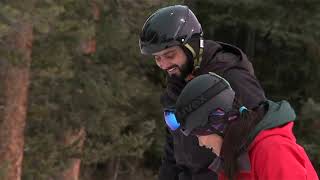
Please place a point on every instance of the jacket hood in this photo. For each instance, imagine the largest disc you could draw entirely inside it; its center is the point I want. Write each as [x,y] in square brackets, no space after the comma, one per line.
[213,48]
[278,114]
[232,64]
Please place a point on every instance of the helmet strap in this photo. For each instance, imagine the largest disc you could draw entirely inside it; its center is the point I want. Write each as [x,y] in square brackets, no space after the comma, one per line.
[197,59]
[191,50]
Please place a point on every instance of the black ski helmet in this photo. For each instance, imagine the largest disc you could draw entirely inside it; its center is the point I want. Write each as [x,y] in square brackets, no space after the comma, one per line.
[170,26]
[199,98]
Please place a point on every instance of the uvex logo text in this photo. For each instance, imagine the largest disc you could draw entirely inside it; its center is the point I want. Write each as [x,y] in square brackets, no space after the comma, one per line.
[190,107]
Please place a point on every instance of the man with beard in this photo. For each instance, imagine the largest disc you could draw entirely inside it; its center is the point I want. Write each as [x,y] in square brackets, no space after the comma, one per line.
[173,35]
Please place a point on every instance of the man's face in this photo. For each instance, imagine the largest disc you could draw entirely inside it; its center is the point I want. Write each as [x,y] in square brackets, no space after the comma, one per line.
[171,60]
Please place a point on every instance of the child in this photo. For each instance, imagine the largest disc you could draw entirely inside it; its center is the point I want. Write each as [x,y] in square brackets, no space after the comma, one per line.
[250,144]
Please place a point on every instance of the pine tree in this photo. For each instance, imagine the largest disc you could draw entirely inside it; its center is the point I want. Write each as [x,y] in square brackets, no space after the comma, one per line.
[76,138]
[55,132]
[107,94]
[16,39]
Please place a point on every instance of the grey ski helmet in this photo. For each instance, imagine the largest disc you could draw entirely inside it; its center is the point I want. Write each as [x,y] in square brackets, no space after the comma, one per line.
[199,98]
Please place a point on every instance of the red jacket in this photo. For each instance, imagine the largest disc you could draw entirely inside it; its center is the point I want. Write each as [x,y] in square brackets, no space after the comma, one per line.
[275,155]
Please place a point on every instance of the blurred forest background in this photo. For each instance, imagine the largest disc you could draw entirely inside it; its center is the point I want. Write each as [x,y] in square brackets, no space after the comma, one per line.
[78,101]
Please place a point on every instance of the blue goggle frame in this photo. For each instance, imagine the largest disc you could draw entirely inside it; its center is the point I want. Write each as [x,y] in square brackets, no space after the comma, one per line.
[170,119]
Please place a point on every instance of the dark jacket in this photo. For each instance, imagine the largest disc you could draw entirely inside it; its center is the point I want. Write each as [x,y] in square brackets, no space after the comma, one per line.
[183,158]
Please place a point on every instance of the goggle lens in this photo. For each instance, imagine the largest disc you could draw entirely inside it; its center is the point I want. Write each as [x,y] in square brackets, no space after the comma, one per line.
[171,120]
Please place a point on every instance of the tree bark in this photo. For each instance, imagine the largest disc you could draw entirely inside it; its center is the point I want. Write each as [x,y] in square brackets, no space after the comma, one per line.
[15,79]
[73,170]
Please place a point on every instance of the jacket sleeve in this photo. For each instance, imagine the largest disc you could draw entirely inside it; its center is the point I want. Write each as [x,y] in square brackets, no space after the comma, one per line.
[169,170]
[280,160]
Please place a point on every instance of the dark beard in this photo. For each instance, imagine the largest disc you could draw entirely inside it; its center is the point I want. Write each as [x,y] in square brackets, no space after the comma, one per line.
[186,69]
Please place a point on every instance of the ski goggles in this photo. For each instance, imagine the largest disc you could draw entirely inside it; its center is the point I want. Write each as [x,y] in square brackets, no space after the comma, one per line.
[173,123]
[218,117]
[217,123]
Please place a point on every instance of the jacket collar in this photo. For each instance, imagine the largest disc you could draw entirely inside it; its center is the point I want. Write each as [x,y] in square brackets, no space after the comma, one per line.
[243,161]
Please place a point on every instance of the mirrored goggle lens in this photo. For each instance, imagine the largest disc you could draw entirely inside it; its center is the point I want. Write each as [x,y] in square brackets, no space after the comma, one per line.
[216,124]
[171,120]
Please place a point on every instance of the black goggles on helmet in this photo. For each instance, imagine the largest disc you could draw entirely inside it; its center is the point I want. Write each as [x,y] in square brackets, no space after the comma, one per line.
[173,116]
[217,123]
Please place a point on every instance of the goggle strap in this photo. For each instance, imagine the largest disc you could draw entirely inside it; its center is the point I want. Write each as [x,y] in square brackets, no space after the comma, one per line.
[207,95]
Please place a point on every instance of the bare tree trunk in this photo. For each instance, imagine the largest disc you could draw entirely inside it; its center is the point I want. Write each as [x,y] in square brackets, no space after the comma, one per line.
[15,79]
[73,170]
[112,170]
[88,46]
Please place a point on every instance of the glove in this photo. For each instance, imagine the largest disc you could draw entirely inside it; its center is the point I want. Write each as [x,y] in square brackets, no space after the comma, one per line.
[169,97]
